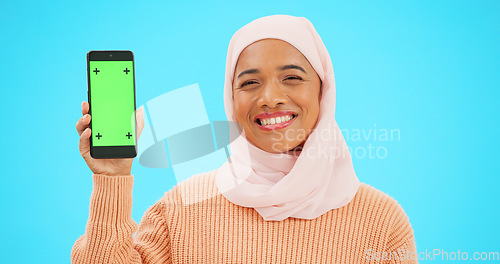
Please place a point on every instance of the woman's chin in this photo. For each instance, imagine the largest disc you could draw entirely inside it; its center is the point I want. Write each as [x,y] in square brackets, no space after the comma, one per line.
[279,147]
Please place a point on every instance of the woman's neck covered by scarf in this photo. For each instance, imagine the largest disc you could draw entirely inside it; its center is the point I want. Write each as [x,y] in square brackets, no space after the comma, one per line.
[301,184]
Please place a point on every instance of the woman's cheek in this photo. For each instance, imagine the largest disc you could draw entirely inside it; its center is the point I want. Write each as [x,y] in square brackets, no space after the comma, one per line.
[242,111]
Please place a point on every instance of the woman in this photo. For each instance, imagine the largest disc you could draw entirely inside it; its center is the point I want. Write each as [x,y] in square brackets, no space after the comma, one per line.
[288,193]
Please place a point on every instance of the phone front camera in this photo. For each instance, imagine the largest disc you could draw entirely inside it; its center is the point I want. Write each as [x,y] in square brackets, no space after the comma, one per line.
[111,55]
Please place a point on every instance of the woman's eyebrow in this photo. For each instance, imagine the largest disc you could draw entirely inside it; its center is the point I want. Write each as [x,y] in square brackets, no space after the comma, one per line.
[292,66]
[282,68]
[248,72]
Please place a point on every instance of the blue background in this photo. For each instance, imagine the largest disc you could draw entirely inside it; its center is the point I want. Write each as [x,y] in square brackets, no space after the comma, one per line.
[427,68]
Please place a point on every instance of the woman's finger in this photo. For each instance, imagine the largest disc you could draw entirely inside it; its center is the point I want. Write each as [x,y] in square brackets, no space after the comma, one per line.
[85,108]
[84,144]
[82,123]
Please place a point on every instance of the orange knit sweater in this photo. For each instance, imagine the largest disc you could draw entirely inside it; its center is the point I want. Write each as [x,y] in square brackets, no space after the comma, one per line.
[194,223]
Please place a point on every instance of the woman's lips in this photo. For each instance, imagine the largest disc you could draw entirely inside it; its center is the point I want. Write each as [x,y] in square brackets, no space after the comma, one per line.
[259,120]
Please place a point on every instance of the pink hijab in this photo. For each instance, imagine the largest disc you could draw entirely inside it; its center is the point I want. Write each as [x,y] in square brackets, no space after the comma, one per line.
[283,185]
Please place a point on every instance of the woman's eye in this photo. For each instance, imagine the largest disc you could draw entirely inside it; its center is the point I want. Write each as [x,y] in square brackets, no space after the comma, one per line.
[293,78]
[248,82]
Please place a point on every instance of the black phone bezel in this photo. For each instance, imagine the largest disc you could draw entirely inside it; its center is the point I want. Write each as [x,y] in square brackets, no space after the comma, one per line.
[111,152]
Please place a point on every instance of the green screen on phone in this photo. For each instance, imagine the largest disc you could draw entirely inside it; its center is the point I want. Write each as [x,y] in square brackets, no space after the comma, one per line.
[112,103]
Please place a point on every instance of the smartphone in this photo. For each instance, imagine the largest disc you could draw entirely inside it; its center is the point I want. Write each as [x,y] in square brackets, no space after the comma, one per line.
[111,96]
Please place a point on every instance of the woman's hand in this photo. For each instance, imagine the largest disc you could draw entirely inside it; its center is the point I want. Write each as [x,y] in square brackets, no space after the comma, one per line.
[104,166]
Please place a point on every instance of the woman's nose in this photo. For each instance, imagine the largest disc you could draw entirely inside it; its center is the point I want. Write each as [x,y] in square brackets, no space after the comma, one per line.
[271,95]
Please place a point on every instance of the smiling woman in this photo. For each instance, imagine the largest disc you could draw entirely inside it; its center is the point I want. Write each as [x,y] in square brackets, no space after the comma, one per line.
[278,68]
[276,93]
[287,194]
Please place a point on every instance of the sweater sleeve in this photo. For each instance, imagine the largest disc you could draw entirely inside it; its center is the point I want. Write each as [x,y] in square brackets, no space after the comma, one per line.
[109,232]
[401,241]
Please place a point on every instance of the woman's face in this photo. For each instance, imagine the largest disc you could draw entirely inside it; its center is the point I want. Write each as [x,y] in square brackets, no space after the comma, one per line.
[276,95]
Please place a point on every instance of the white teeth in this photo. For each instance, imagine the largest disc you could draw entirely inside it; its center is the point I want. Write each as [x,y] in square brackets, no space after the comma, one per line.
[277,120]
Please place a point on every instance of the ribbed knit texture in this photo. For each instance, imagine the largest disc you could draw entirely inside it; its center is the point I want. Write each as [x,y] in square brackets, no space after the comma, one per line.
[194,223]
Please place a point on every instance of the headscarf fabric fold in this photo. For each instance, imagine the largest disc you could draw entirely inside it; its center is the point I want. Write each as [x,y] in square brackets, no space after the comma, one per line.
[282,185]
